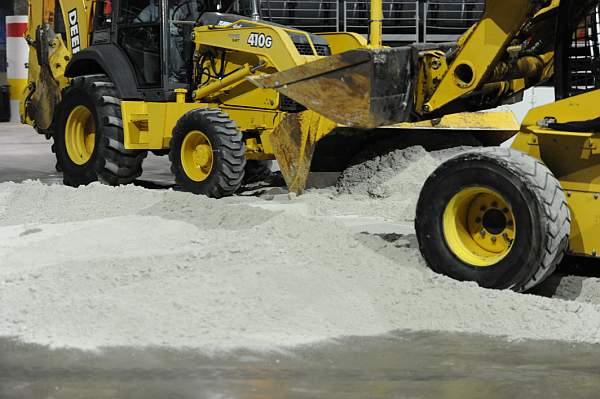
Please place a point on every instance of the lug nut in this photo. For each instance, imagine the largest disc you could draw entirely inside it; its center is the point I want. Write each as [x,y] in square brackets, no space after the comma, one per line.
[494,204]
[483,208]
[505,210]
[493,239]
[477,220]
[482,233]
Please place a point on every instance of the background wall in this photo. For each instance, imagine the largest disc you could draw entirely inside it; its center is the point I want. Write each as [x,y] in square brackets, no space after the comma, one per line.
[8,7]
[5,9]
[19,7]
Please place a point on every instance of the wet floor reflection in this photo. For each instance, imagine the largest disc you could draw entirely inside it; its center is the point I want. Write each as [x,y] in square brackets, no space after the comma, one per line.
[399,365]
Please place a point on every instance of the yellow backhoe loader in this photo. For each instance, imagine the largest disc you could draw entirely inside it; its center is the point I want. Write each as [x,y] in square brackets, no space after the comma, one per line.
[110,80]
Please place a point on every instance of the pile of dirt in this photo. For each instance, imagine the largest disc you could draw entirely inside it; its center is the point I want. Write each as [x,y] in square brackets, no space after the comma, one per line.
[99,266]
[397,172]
[386,186]
[374,177]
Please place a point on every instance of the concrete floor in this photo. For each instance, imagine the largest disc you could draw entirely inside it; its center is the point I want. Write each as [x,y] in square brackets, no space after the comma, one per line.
[399,365]
[24,155]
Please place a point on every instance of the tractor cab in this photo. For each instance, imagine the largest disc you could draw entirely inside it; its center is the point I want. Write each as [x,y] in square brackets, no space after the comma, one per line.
[152,41]
[152,34]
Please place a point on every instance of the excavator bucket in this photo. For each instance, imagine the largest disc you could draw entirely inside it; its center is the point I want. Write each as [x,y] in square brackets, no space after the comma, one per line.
[363,88]
[294,141]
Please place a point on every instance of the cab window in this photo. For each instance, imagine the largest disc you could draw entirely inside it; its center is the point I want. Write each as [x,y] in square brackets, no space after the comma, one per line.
[139,33]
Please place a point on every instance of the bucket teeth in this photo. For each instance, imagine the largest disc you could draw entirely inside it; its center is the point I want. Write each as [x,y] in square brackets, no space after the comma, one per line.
[364,88]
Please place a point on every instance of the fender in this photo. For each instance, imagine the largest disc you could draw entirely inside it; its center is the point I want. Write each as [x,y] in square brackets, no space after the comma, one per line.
[108,59]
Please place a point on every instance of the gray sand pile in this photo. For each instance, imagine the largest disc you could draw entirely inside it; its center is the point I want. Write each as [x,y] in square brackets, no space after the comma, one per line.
[101,266]
[385,187]
[572,288]
[396,172]
[375,177]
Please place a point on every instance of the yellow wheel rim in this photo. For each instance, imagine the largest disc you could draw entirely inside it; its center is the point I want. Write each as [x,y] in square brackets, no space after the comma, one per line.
[80,135]
[479,226]
[197,156]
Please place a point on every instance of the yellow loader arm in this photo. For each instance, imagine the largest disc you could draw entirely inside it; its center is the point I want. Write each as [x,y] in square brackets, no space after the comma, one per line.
[49,55]
[510,49]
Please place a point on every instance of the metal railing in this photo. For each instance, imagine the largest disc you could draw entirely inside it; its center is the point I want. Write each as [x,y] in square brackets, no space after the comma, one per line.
[400,19]
[311,15]
[446,20]
[584,56]
[404,20]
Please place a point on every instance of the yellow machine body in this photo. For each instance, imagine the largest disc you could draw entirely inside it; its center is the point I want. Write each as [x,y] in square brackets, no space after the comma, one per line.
[46,77]
[148,125]
[574,158]
[372,87]
[270,133]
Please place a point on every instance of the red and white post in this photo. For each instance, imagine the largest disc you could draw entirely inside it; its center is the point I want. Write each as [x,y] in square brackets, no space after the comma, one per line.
[17,56]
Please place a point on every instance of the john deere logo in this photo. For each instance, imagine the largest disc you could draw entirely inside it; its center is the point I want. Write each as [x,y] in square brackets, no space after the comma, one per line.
[74,31]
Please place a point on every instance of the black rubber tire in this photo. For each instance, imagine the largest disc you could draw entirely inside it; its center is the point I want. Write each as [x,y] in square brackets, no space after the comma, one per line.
[79,92]
[110,162]
[257,171]
[229,159]
[537,200]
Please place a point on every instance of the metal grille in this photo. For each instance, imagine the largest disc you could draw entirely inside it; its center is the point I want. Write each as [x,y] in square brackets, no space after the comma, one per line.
[311,15]
[584,56]
[400,19]
[304,48]
[446,20]
[323,50]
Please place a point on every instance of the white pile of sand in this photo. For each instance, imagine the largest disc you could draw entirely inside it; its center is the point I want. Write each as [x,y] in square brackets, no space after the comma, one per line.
[101,266]
[386,186]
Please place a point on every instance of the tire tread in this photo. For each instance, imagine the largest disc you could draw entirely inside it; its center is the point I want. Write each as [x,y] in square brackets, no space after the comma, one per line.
[231,147]
[555,210]
[114,165]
